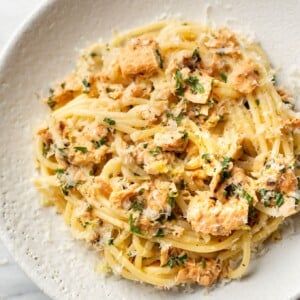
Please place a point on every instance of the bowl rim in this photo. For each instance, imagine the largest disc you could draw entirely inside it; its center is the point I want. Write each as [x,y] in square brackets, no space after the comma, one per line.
[30,20]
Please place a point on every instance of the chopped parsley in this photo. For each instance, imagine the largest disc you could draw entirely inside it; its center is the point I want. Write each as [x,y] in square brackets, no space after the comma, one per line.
[248,197]
[179,118]
[109,90]
[81,149]
[160,59]
[156,151]
[225,173]
[273,80]
[231,190]
[145,145]
[223,77]
[109,121]
[174,261]
[141,191]
[257,102]
[179,83]
[87,86]
[110,242]
[65,189]
[101,142]
[46,149]
[89,208]
[211,103]
[160,233]
[138,205]
[206,157]
[236,190]
[185,136]
[59,171]
[271,198]
[225,162]
[196,56]
[195,85]
[171,198]
[171,201]
[279,200]
[203,263]
[133,227]
[63,85]
[51,103]
[221,119]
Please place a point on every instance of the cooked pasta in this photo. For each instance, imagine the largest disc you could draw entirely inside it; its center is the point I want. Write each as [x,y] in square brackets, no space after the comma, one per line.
[172,151]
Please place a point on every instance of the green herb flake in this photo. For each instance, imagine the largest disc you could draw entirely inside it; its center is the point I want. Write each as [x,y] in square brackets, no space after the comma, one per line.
[101,142]
[109,121]
[196,56]
[89,208]
[51,103]
[174,261]
[137,205]
[65,189]
[109,90]
[179,83]
[279,199]
[248,197]
[81,149]
[257,101]
[145,145]
[273,80]
[225,162]
[160,59]
[231,190]
[45,149]
[160,233]
[223,77]
[87,86]
[63,85]
[110,242]
[133,228]
[211,103]
[206,157]
[171,201]
[185,136]
[156,151]
[225,174]
[169,115]
[179,118]
[141,191]
[195,85]
[59,171]
[203,263]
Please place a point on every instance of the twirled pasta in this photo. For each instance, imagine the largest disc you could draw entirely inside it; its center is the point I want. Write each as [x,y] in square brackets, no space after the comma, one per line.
[172,151]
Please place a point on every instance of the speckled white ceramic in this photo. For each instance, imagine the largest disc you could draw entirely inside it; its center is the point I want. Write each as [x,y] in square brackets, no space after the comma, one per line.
[44,50]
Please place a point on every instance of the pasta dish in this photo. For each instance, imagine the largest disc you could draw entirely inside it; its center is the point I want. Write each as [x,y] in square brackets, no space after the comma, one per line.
[172,151]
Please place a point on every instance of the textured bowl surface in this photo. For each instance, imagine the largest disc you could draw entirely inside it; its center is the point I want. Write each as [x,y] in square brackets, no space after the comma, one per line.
[44,50]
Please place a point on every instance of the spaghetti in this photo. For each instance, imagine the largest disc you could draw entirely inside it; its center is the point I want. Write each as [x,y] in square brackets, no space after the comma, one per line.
[172,151]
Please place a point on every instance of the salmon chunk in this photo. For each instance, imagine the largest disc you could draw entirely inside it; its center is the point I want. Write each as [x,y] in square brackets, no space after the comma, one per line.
[139,57]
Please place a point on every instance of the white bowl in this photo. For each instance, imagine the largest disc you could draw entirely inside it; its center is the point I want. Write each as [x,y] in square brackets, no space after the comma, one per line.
[44,50]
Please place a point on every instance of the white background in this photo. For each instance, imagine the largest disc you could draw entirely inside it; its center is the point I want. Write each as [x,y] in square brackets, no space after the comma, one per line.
[14,284]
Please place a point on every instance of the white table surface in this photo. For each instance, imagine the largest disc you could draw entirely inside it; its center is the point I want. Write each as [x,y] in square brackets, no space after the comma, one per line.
[14,284]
